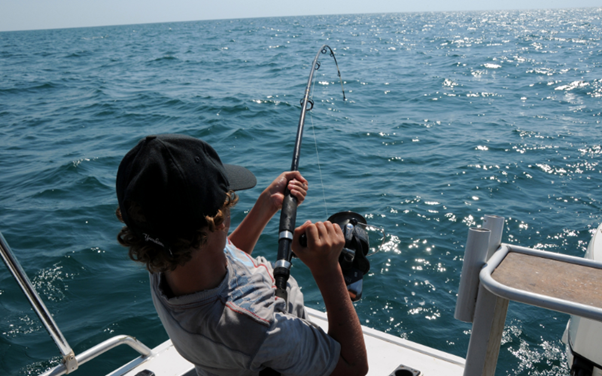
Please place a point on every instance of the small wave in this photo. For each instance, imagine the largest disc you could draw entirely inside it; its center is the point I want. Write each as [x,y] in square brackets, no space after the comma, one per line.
[31,89]
[50,282]
[165,58]
[542,71]
[492,66]
[19,326]
[572,85]
[93,38]
[78,54]
[449,83]
[271,100]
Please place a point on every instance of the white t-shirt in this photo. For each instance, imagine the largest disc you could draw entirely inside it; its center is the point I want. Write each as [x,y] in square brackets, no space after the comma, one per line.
[241,327]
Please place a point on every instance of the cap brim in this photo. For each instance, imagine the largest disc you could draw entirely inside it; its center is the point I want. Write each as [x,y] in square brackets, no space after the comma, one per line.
[239,178]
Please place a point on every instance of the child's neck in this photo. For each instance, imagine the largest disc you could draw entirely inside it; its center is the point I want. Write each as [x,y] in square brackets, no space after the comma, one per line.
[205,271]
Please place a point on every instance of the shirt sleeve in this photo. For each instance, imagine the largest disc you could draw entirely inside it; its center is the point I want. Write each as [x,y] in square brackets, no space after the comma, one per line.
[297,347]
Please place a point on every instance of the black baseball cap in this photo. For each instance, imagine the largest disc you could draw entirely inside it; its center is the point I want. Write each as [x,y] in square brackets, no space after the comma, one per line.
[167,184]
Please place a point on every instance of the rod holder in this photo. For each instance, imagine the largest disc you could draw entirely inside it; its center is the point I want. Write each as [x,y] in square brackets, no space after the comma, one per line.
[494,223]
[475,255]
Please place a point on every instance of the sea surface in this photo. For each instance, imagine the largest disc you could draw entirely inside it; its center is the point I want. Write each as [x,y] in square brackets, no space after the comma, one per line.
[448,117]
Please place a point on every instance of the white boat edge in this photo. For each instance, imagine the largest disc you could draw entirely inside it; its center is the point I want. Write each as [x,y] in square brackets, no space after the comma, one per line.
[386,353]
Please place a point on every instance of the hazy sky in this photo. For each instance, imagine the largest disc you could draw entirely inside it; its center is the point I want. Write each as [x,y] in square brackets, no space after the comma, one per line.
[52,14]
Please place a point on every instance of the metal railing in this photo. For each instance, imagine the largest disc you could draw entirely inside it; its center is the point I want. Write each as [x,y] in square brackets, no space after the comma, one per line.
[70,362]
[483,300]
[100,349]
[532,298]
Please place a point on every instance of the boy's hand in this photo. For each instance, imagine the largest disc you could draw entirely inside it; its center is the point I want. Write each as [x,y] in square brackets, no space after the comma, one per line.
[325,241]
[294,181]
[324,244]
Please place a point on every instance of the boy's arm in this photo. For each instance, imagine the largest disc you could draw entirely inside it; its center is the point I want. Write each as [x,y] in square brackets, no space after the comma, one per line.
[324,244]
[245,236]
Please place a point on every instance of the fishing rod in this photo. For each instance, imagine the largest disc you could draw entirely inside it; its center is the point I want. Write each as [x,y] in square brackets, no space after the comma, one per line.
[288,213]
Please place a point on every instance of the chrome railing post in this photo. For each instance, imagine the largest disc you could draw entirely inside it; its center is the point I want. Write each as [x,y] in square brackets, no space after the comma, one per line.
[38,306]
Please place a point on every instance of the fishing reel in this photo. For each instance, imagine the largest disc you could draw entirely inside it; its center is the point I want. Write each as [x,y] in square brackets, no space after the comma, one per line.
[353,259]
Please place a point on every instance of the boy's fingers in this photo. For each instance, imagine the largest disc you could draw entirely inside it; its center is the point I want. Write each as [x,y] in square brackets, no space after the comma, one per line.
[338,231]
[290,175]
[312,233]
[301,229]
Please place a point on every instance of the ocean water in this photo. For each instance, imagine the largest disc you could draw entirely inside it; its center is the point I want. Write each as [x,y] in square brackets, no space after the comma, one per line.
[449,116]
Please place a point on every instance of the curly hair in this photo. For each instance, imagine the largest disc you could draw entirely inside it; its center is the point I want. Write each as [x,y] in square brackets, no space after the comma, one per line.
[156,258]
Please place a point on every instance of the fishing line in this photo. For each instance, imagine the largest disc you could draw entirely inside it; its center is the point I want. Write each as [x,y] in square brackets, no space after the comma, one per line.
[319,167]
[311,119]
[366,227]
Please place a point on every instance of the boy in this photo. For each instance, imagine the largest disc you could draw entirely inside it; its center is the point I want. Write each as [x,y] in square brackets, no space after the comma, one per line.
[216,302]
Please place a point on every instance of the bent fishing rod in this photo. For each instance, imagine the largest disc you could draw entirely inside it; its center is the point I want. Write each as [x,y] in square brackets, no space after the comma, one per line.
[288,213]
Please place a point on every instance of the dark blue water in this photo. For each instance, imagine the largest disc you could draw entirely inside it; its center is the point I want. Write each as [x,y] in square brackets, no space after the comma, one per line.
[449,116]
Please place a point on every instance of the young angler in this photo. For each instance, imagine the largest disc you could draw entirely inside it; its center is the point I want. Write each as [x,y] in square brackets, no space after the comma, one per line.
[216,302]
